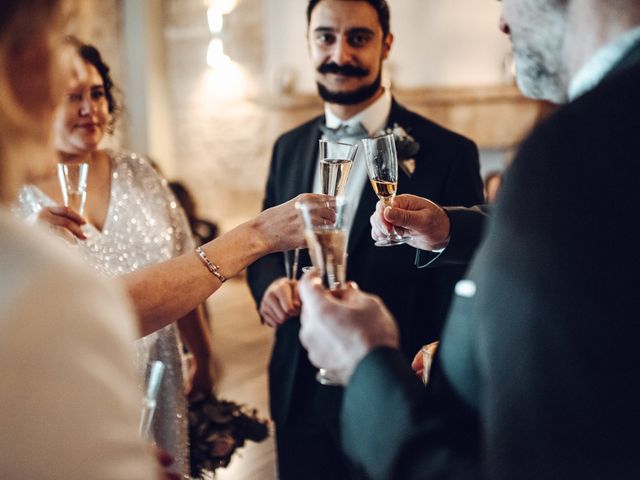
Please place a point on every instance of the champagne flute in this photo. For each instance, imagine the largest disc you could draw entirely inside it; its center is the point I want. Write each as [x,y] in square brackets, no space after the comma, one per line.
[73,183]
[336,160]
[326,234]
[156,372]
[382,168]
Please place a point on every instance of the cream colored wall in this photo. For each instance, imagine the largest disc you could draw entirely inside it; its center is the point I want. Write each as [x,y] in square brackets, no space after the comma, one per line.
[447,43]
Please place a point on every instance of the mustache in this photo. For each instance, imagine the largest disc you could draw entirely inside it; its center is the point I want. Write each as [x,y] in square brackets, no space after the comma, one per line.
[346,70]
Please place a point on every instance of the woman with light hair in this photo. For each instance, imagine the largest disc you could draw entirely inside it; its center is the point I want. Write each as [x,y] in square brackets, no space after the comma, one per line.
[69,397]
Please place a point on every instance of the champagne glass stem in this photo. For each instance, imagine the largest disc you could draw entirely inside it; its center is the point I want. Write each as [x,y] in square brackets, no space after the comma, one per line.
[294,266]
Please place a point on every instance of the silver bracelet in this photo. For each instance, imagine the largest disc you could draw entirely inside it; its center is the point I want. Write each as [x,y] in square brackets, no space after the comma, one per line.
[212,267]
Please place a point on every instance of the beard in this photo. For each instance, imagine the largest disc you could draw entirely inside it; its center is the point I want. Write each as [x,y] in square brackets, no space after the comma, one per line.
[539,78]
[541,72]
[350,98]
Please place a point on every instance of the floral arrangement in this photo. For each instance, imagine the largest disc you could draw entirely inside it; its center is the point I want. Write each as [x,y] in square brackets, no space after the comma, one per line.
[406,147]
[217,428]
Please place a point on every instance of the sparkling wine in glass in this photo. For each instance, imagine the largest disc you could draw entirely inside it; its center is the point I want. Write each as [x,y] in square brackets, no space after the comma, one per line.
[335,160]
[73,183]
[327,249]
[382,168]
[326,233]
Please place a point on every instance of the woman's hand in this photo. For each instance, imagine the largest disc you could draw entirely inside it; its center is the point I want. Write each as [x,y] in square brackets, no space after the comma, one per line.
[63,220]
[282,228]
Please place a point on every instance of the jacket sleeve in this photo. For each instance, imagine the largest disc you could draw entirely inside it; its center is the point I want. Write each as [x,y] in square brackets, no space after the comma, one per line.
[270,267]
[396,429]
[464,190]
[467,227]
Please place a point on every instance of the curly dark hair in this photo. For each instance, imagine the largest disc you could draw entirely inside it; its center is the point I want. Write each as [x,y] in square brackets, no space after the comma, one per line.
[92,55]
[380,6]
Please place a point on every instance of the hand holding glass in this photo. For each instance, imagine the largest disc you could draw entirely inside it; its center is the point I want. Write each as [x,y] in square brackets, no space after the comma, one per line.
[335,161]
[382,168]
[326,234]
[73,183]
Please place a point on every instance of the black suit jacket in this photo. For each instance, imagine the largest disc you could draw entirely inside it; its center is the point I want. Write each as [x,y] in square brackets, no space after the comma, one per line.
[539,361]
[447,171]
[467,227]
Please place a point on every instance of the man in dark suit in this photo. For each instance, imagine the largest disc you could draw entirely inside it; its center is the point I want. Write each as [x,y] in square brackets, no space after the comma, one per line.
[348,41]
[537,371]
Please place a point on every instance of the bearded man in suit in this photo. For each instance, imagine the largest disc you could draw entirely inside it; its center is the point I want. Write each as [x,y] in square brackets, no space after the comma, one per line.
[348,42]
[537,371]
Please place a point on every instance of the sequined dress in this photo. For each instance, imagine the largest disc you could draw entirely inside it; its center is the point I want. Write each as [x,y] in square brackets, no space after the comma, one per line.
[144,226]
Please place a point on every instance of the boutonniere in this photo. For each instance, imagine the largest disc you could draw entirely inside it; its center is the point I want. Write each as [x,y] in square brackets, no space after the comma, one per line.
[406,147]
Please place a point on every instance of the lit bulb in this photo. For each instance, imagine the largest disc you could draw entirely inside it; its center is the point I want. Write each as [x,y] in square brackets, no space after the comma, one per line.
[215,19]
[216,57]
[223,6]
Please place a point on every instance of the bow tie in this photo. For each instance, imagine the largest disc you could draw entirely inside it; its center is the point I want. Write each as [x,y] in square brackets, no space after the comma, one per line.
[344,131]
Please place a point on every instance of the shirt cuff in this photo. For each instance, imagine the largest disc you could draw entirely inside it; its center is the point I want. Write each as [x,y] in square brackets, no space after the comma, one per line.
[424,258]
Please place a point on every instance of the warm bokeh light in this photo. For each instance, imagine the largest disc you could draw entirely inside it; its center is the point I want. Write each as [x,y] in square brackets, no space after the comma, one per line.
[223,6]
[223,83]
[215,19]
[216,57]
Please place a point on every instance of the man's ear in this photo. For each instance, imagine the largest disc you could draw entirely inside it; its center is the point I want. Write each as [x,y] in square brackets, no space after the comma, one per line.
[386,45]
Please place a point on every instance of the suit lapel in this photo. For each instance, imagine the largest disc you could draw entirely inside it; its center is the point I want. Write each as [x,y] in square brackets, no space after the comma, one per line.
[306,162]
[368,200]
[361,224]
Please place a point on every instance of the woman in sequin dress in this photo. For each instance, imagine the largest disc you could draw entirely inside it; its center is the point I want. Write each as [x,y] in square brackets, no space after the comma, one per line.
[133,220]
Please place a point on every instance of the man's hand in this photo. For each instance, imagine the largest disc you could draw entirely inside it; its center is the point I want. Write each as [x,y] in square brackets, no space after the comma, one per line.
[280,302]
[339,332]
[425,222]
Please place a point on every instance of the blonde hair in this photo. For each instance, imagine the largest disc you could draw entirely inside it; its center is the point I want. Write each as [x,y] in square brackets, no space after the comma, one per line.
[27,28]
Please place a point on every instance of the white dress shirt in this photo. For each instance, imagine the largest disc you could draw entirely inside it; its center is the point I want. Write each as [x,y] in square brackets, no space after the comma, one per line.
[601,63]
[69,399]
[374,118]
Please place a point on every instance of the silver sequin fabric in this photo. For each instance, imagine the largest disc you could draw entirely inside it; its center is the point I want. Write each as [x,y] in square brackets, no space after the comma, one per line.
[144,225]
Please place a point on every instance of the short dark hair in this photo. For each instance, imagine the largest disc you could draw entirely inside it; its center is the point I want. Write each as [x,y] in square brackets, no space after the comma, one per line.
[380,6]
[92,55]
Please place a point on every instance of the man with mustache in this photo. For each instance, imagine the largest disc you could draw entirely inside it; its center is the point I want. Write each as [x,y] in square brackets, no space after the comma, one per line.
[537,372]
[348,42]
